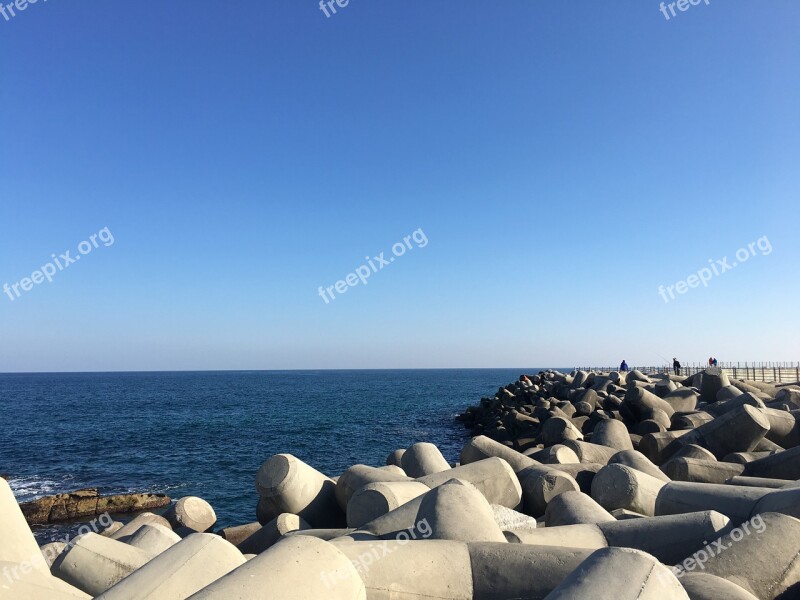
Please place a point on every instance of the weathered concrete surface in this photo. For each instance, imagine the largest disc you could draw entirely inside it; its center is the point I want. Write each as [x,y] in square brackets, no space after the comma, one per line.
[620,486]
[271,533]
[185,568]
[764,559]
[93,563]
[288,485]
[620,574]
[376,499]
[493,477]
[575,508]
[423,459]
[297,568]
[153,538]
[457,511]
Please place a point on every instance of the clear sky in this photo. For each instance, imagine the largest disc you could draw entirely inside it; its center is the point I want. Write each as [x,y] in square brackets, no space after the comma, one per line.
[563,160]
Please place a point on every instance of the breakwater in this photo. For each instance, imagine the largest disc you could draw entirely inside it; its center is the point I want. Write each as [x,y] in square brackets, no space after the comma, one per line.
[581,485]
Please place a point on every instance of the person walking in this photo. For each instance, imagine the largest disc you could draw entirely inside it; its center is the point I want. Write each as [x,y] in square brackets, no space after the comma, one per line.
[676,366]
[623,366]
[714,362]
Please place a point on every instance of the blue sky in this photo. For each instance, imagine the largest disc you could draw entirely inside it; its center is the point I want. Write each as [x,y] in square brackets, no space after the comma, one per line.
[563,159]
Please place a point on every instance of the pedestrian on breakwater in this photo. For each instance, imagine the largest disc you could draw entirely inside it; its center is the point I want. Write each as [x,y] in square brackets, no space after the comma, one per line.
[623,366]
[676,366]
[714,362]
[710,361]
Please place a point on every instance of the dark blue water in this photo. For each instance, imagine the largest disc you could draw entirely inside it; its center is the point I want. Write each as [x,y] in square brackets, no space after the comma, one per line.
[207,433]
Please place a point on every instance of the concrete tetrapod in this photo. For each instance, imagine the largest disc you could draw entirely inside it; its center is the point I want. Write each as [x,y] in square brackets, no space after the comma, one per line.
[739,430]
[34,585]
[574,508]
[591,453]
[586,537]
[288,485]
[320,568]
[423,459]
[187,567]
[701,471]
[191,512]
[236,535]
[457,511]
[481,447]
[396,458]
[612,433]
[783,465]
[541,484]
[598,578]
[271,533]
[411,570]
[735,502]
[357,476]
[667,538]
[132,526]
[376,499]
[763,558]
[785,501]
[153,538]
[637,460]
[493,477]
[94,563]
[17,544]
[501,571]
[620,486]
[703,586]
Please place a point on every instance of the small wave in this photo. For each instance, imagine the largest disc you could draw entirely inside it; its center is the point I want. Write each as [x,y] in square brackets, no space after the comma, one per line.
[30,488]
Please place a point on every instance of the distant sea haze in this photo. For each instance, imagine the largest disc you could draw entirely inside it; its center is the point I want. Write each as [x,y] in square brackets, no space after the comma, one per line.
[206,433]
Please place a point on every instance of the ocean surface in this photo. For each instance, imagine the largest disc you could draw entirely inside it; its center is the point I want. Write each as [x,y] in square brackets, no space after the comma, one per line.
[207,433]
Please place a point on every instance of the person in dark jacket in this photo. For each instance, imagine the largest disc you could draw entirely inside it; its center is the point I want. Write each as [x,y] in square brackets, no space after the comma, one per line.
[676,366]
[623,366]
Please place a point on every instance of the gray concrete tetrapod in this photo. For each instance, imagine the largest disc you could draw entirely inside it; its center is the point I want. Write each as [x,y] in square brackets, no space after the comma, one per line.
[702,471]
[702,586]
[620,486]
[493,477]
[457,511]
[396,458]
[423,459]
[735,502]
[761,555]
[481,447]
[192,512]
[541,484]
[591,453]
[93,563]
[574,508]
[132,526]
[404,569]
[637,460]
[376,499]
[783,465]
[239,533]
[288,485]
[153,538]
[185,568]
[297,568]
[519,570]
[739,430]
[612,433]
[271,533]
[356,477]
[598,578]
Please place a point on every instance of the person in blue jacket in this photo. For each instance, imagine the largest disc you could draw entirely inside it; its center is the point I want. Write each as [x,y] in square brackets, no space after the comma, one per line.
[623,366]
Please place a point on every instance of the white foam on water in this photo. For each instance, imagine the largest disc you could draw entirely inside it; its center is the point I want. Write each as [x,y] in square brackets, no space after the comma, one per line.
[30,488]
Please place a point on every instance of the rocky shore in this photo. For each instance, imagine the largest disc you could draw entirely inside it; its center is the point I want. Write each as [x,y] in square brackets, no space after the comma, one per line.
[588,486]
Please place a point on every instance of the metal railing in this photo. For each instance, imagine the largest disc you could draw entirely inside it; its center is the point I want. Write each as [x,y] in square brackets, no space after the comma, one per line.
[780,372]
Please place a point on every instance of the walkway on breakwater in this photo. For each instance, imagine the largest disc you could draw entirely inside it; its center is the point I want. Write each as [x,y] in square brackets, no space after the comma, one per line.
[780,372]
